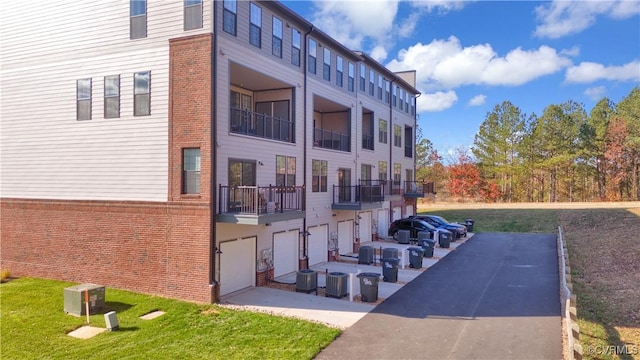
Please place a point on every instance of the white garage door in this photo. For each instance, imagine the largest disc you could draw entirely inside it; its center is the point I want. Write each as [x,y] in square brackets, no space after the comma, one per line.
[397,213]
[285,253]
[383,222]
[364,227]
[345,237]
[237,265]
[409,210]
[317,246]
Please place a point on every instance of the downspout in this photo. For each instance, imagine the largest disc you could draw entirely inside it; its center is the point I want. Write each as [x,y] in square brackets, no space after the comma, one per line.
[390,168]
[415,143]
[213,250]
[304,144]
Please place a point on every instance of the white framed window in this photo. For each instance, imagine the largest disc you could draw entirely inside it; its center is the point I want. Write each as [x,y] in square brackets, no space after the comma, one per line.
[363,79]
[339,70]
[372,77]
[383,131]
[319,176]
[351,80]
[380,87]
[112,96]
[285,170]
[142,93]
[295,47]
[326,67]
[382,170]
[255,26]
[191,171]
[397,135]
[313,48]
[83,99]
[276,38]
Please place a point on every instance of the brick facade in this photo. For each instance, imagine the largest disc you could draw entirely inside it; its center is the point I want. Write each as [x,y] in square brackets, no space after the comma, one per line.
[149,247]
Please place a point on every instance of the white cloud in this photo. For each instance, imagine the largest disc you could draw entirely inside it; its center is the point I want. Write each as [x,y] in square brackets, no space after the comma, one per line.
[379,53]
[445,64]
[441,6]
[436,101]
[478,100]
[561,17]
[595,93]
[588,72]
[574,51]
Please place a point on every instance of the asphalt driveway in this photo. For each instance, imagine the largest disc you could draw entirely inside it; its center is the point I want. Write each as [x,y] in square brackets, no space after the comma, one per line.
[495,297]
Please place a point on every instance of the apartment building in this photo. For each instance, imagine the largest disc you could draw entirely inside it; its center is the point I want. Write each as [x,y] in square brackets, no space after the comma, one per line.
[193,148]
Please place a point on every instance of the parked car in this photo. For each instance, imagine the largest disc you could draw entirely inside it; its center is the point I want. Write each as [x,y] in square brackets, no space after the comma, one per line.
[413,225]
[459,230]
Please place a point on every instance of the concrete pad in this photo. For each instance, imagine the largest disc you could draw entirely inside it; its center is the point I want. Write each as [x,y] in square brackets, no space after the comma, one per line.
[86,332]
[152,315]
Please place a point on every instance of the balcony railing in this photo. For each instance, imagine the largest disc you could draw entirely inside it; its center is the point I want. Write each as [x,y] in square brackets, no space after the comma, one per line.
[261,125]
[367,142]
[258,200]
[417,188]
[358,194]
[331,140]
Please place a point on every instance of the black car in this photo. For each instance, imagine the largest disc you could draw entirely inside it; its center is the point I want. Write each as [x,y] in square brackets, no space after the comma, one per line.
[413,225]
[458,230]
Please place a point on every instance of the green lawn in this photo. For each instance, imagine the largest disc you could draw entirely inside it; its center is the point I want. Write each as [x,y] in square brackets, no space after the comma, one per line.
[505,220]
[33,325]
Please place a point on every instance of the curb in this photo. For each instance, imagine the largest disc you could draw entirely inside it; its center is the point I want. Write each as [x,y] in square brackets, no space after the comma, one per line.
[573,348]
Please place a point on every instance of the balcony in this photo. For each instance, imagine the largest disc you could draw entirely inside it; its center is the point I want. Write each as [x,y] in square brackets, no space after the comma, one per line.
[256,205]
[417,189]
[261,125]
[357,197]
[328,139]
[367,142]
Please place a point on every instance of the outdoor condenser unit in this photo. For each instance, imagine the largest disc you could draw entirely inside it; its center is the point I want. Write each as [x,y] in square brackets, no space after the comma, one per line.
[365,255]
[403,236]
[306,280]
[74,299]
[389,253]
[336,284]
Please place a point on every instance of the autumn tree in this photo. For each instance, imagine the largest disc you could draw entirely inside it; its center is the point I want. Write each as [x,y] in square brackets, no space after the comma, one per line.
[464,177]
[593,141]
[629,110]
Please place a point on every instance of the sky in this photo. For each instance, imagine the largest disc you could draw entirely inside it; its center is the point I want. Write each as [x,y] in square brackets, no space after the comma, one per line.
[471,56]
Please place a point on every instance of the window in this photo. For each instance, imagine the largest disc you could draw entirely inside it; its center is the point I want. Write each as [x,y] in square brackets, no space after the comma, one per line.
[350,83]
[339,69]
[408,142]
[276,41]
[312,55]
[191,171]
[319,176]
[413,105]
[395,88]
[379,87]
[112,96]
[142,93]
[229,16]
[382,170]
[397,172]
[406,102]
[401,96]
[397,135]
[285,170]
[83,99]
[326,68]
[137,19]
[192,14]
[383,131]
[408,173]
[365,172]
[255,27]
[242,172]
[363,79]
[387,86]
[372,85]
[295,47]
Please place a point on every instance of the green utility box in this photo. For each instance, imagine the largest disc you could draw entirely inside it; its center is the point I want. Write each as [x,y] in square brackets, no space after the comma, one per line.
[74,299]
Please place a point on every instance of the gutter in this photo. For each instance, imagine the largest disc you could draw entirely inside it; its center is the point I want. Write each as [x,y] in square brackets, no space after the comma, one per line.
[214,176]
[305,250]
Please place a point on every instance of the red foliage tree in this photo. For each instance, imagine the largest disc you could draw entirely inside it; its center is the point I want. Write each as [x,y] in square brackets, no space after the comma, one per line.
[464,178]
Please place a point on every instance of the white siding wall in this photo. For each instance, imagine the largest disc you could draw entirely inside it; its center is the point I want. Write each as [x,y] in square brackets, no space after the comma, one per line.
[45,151]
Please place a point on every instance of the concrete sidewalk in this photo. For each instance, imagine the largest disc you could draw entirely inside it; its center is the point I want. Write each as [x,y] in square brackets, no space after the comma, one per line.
[341,313]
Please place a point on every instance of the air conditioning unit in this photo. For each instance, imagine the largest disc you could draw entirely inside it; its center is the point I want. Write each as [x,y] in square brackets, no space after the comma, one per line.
[389,253]
[74,299]
[403,236]
[336,284]
[306,281]
[365,255]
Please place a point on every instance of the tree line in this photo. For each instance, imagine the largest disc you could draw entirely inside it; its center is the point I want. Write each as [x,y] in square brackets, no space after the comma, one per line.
[565,154]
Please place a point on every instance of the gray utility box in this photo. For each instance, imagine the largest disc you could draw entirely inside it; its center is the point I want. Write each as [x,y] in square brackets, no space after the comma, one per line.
[336,284]
[74,299]
[365,255]
[306,281]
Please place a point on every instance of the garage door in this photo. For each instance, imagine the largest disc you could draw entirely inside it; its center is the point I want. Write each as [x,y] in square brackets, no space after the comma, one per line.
[383,222]
[364,227]
[285,253]
[345,237]
[317,246]
[237,265]
[397,213]
[409,210]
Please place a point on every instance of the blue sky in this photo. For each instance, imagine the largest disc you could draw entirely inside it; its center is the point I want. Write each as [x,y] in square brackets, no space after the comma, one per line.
[471,56]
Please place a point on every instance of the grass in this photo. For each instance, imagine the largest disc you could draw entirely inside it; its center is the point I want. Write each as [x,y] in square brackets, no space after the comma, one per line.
[604,253]
[34,326]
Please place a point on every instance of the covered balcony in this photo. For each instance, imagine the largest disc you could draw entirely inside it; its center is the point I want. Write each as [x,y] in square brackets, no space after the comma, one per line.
[331,125]
[417,189]
[256,205]
[368,195]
